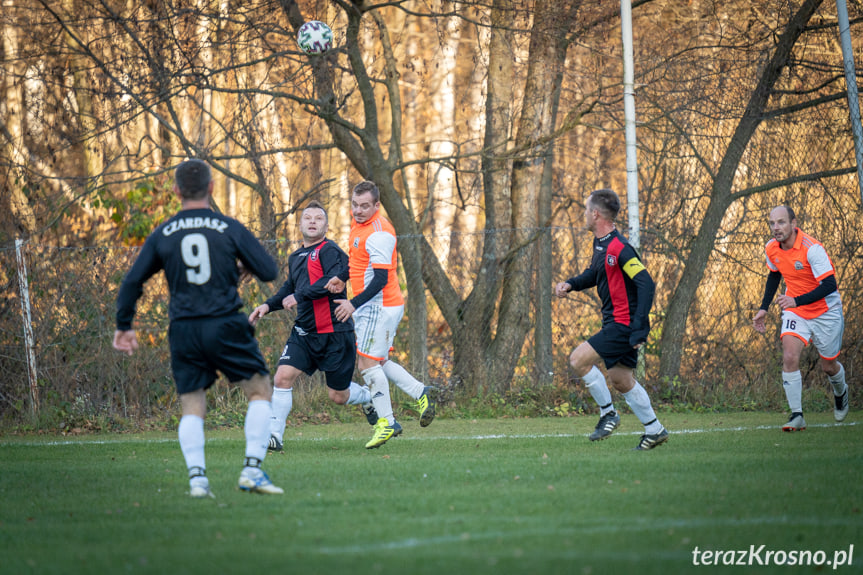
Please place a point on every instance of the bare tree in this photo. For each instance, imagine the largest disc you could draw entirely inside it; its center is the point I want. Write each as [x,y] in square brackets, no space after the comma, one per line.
[764,103]
[103,99]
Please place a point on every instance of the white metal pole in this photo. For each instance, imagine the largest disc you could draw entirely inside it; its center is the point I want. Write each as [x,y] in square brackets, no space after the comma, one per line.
[629,124]
[851,86]
[29,344]
[631,148]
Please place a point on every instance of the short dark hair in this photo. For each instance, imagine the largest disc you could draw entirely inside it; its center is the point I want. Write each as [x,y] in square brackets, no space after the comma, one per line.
[606,202]
[315,204]
[791,214]
[368,187]
[192,179]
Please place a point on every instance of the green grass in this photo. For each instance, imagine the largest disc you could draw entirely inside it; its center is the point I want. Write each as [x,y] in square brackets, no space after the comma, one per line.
[461,496]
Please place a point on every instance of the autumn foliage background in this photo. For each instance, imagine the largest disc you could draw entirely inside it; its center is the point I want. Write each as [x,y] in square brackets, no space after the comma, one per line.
[484,123]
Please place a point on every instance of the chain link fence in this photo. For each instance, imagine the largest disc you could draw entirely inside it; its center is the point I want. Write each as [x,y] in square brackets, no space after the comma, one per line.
[72,293]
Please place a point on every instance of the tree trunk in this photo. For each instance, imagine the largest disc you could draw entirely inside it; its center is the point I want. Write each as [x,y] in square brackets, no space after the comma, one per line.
[471,326]
[674,328]
[546,59]
[542,336]
[24,220]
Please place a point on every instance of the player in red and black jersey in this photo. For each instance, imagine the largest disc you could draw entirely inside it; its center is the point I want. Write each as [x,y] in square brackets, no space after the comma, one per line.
[318,340]
[626,291]
[318,259]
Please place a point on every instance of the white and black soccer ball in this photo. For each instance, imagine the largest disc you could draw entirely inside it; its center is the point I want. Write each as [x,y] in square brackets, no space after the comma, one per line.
[315,37]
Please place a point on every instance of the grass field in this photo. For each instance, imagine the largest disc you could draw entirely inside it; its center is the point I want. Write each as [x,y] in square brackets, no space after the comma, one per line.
[487,496]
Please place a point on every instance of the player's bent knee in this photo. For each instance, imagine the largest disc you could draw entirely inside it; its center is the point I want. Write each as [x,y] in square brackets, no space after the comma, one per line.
[283,381]
[258,387]
[580,363]
[622,383]
[285,377]
[790,362]
[339,396]
[829,366]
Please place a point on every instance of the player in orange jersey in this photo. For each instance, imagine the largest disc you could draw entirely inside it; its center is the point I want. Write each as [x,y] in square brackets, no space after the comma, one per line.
[812,311]
[377,308]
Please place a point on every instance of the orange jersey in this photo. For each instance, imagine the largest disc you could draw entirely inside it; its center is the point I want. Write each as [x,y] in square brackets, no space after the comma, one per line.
[373,246]
[803,267]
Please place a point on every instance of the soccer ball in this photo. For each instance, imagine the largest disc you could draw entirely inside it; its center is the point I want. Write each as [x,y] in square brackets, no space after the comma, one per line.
[315,37]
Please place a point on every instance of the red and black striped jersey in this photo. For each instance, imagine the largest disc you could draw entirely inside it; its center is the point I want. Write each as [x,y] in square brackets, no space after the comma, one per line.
[309,270]
[622,283]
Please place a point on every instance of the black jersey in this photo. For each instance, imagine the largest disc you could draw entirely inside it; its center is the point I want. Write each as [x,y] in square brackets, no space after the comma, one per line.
[309,270]
[199,250]
[622,282]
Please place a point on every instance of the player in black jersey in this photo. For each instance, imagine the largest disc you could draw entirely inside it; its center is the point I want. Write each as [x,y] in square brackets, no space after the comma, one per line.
[318,340]
[201,253]
[626,291]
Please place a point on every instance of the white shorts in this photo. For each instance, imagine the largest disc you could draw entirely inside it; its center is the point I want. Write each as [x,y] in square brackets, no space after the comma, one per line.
[824,331]
[376,329]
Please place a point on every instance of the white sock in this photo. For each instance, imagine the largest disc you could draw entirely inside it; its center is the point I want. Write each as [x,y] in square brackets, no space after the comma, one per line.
[792,381]
[191,433]
[838,381]
[360,395]
[283,402]
[379,387]
[257,427]
[639,402]
[595,384]
[406,382]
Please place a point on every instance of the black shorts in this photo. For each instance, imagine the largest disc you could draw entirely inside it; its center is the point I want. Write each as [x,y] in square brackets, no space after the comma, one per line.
[612,345]
[202,346]
[333,353]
